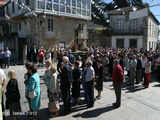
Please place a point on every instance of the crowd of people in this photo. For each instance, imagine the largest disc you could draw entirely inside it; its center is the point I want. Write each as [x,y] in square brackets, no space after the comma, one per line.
[98,64]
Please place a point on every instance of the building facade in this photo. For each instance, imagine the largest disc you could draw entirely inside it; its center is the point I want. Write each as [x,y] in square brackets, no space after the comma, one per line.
[133,29]
[49,23]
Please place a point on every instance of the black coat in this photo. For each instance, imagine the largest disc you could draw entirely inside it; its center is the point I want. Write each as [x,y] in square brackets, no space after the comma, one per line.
[12,93]
[76,75]
[139,64]
[66,77]
[60,60]
[76,83]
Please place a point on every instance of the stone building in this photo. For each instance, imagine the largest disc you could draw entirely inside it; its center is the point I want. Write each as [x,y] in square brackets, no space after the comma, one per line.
[133,29]
[48,22]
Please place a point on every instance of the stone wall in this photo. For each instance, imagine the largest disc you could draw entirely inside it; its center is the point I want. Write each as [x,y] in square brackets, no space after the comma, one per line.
[12,43]
[96,40]
[63,32]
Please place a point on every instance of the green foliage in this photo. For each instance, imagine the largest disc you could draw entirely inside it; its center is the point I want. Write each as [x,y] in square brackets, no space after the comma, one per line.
[125,3]
[110,6]
[101,31]
[121,3]
[101,18]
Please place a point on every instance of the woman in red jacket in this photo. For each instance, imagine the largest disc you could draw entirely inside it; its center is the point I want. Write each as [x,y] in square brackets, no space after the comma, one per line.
[41,56]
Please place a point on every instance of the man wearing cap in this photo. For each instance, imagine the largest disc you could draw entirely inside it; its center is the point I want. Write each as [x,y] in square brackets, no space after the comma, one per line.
[117,78]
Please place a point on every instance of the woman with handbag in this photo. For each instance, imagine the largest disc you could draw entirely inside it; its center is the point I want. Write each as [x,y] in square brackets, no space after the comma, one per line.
[53,85]
[34,93]
[13,95]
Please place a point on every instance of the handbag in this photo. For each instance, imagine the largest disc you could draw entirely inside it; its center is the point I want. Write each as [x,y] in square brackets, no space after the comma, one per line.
[53,106]
[32,94]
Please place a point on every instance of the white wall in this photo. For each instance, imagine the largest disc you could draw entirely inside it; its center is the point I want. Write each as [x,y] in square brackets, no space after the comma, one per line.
[152,40]
[25,29]
[127,39]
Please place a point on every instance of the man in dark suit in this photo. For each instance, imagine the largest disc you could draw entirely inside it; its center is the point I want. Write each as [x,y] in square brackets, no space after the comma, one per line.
[117,78]
[66,84]
[35,53]
[29,52]
[138,69]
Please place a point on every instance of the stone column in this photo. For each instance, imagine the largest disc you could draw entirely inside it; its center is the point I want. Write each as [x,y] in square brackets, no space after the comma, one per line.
[24,54]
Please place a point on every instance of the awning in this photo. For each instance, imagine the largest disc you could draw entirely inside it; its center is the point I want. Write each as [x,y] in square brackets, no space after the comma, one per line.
[14,20]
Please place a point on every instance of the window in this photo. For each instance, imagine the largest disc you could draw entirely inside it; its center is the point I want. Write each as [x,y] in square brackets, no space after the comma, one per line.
[88,8]
[134,24]
[55,5]
[76,7]
[150,28]
[62,6]
[49,5]
[133,43]
[120,24]
[27,2]
[40,4]
[84,7]
[13,9]
[50,25]
[68,6]
[19,26]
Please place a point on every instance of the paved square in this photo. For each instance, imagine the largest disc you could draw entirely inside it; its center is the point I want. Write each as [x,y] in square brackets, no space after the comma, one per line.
[137,103]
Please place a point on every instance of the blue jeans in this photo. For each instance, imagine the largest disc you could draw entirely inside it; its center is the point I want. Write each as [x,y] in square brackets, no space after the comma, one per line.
[7,62]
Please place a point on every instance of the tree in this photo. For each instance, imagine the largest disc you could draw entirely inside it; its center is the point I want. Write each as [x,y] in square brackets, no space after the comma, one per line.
[99,15]
[121,3]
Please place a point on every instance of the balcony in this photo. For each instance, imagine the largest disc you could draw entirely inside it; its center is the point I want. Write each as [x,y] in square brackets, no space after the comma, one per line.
[66,8]
[127,32]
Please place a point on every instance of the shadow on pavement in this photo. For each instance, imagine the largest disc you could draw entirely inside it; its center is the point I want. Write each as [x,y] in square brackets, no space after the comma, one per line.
[94,113]
[157,85]
[134,88]
[79,107]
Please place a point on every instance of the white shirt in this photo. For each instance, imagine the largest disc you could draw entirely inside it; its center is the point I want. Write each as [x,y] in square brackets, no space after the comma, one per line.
[48,56]
[2,76]
[90,74]
[144,61]
[35,51]
[7,53]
